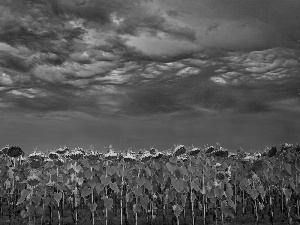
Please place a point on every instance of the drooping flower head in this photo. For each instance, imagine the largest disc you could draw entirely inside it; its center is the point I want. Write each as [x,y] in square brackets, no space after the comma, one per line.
[53,155]
[272,152]
[62,151]
[92,156]
[209,149]
[257,166]
[111,155]
[179,150]
[220,152]
[33,181]
[194,151]
[58,162]
[76,154]
[36,156]
[146,157]
[158,155]
[129,157]
[35,164]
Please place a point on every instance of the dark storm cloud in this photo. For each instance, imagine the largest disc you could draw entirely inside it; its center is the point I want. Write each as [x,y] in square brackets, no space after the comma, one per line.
[98,57]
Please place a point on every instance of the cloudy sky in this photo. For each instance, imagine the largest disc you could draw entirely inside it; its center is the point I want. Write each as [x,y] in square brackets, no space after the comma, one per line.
[149,73]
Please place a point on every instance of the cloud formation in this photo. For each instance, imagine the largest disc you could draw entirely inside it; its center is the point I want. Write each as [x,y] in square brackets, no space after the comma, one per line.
[148,57]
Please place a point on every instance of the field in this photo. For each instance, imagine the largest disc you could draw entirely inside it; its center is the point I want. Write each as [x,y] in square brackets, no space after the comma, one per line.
[180,186]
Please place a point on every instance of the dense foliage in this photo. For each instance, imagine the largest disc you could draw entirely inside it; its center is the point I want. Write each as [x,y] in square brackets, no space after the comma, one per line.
[147,183]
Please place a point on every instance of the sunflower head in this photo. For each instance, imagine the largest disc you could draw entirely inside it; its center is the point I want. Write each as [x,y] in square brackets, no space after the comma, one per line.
[179,150]
[209,149]
[4,150]
[129,157]
[272,152]
[257,166]
[221,152]
[62,151]
[35,164]
[36,156]
[14,152]
[33,181]
[76,154]
[92,156]
[58,162]
[153,151]
[53,155]
[111,155]
[220,175]
[158,155]
[194,151]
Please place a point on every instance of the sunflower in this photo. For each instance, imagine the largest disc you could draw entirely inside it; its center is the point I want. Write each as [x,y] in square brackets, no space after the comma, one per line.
[158,155]
[209,150]
[36,156]
[221,152]
[53,155]
[35,164]
[220,175]
[194,151]
[272,152]
[153,151]
[58,162]
[129,157]
[179,150]
[111,155]
[62,151]
[92,156]
[183,157]
[33,181]
[4,150]
[14,152]
[257,166]
[146,157]
[76,154]
[297,148]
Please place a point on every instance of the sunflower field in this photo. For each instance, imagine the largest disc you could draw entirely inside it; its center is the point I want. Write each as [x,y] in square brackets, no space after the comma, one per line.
[184,185]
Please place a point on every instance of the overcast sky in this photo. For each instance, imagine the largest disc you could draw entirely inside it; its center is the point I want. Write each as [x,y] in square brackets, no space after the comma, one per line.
[148,73]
